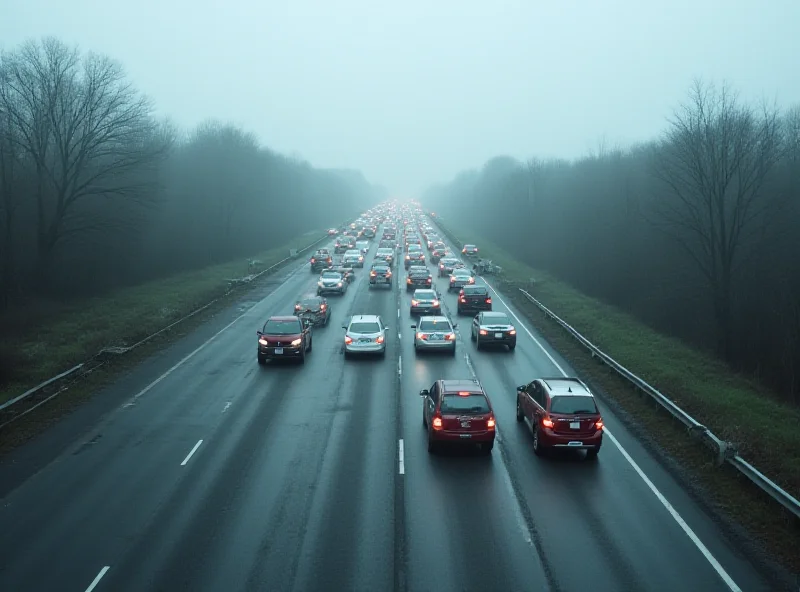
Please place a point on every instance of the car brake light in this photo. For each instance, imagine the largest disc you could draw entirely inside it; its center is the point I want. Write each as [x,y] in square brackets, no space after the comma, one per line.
[452,279]
[408,280]
[429,280]
[323,306]
[599,424]
[484,332]
[422,336]
[348,340]
[547,422]
[437,423]
[463,250]
[388,274]
[451,337]
[490,423]
[297,307]
[512,332]
[462,299]
[408,256]
[263,341]
[414,302]
[441,266]
[488,301]
[379,339]
[372,274]
[435,303]
[464,393]
[313,260]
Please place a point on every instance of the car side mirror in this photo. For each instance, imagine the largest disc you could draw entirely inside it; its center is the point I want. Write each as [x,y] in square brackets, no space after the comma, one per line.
[259,333]
[386,328]
[521,388]
[424,393]
[413,326]
[455,325]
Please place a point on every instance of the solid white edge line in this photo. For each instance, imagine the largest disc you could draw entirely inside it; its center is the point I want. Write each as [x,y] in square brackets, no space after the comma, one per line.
[97,578]
[664,502]
[401,458]
[188,456]
[400,365]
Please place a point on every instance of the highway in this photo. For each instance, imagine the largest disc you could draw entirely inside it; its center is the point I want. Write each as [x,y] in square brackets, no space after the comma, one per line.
[201,470]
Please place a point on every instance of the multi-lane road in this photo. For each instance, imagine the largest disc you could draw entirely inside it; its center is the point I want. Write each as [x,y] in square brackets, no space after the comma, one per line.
[201,470]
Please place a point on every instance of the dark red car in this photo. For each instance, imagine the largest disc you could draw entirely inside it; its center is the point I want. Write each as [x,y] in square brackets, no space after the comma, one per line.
[284,337]
[458,412]
[562,414]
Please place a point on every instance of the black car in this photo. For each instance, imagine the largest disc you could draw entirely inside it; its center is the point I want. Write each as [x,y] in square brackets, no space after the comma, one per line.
[314,308]
[347,272]
[380,275]
[493,328]
[418,277]
[321,260]
[474,299]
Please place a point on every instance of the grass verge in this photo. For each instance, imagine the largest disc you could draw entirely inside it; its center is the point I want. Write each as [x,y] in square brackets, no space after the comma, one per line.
[733,407]
[74,333]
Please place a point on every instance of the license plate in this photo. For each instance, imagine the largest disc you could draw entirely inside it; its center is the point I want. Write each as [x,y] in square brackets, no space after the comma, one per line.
[278,350]
[365,340]
[465,424]
[498,335]
[575,444]
[436,337]
[466,435]
[575,425]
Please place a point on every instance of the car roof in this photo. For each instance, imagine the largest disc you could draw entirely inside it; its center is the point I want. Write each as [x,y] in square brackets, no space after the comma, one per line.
[454,386]
[284,318]
[365,318]
[565,387]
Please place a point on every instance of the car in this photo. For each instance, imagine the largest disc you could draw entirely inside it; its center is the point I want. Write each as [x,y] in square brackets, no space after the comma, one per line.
[342,244]
[469,251]
[413,239]
[363,246]
[458,412]
[365,334]
[414,256]
[347,272]
[562,414]
[493,328]
[284,337]
[389,233]
[369,232]
[425,302]
[474,299]
[314,308]
[353,257]
[435,333]
[447,265]
[418,277]
[437,254]
[385,254]
[331,282]
[380,275]
[387,244]
[332,232]
[459,278]
[321,260]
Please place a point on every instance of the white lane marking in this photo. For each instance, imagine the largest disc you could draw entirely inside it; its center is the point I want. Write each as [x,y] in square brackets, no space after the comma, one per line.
[398,313]
[227,405]
[401,458]
[660,496]
[399,335]
[97,578]
[400,366]
[188,456]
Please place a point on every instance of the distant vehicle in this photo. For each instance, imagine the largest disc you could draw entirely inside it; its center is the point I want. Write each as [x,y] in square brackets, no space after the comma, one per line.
[435,333]
[459,278]
[385,254]
[365,334]
[332,232]
[369,232]
[447,265]
[387,244]
[493,328]
[562,413]
[469,251]
[342,244]
[321,260]
[458,412]
[425,302]
[414,256]
[437,254]
[473,299]
[354,258]
[314,308]
[331,282]
[380,275]
[347,273]
[284,337]
[418,277]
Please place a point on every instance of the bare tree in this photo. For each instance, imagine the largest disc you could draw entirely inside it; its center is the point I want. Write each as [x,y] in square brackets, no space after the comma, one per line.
[714,162]
[85,128]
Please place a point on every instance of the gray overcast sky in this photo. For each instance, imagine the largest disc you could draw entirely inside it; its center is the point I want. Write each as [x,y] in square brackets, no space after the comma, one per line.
[412,92]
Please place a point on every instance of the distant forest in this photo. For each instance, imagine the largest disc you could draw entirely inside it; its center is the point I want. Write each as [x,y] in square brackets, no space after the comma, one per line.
[96,192]
[696,233]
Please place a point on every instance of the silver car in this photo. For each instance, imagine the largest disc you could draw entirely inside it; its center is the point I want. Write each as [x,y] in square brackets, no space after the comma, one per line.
[425,302]
[365,334]
[435,333]
[460,278]
[331,281]
[354,258]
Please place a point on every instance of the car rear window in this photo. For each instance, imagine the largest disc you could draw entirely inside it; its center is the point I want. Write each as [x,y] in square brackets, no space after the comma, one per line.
[426,326]
[380,268]
[473,403]
[365,327]
[496,319]
[419,272]
[287,327]
[461,271]
[572,404]
[313,301]
[427,294]
[475,290]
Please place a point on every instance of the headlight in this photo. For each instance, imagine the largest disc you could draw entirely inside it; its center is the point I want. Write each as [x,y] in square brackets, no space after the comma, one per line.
[297,342]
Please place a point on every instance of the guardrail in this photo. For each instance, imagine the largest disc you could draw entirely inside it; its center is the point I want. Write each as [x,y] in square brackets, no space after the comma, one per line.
[87,366]
[725,451]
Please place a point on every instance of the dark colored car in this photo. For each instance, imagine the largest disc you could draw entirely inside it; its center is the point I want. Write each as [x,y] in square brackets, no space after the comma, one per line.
[458,412]
[425,302]
[285,337]
[315,308]
[493,328]
[380,275]
[447,265]
[437,254]
[347,273]
[414,256]
[469,251]
[418,277]
[474,299]
[562,414]
[321,260]
[369,232]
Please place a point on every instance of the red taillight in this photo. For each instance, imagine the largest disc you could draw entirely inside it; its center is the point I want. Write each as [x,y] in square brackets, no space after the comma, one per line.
[429,280]
[547,422]
[372,274]
[490,423]
[463,250]
[437,423]
[323,306]
[435,303]
[297,307]
[379,339]
[348,340]
[462,299]
[388,274]
[422,336]
[452,279]
[451,337]
[414,302]
[408,280]
[484,332]
[313,260]
[408,256]
[512,332]
[263,341]
[599,424]
[488,301]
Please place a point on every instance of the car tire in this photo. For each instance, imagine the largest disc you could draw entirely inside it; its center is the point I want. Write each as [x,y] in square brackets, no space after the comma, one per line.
[472,336]
[432,447]
[520,415]
[486,448]
[511,348]
[310,344]
[478,342]
[592,453]
[453,351]
[262,360]
[538,449]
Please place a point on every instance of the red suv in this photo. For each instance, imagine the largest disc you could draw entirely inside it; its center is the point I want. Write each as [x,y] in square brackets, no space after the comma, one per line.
[562,413]
[458,411]
[284,337]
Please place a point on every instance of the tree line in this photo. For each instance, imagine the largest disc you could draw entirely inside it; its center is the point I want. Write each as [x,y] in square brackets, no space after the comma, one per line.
[96,191]
[697,232]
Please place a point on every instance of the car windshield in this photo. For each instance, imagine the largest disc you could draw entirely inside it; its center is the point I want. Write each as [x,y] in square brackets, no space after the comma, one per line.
[283,327]
[435,326]
[425,294]
[473,403]
[332,275]
[573,404]
[365,327]
[475,291]
[496,319]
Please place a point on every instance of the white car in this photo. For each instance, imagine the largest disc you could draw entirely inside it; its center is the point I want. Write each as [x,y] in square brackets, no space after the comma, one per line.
[460,278]
[365,334]
[353,258]
[363,246]
[435,333]
[331,281]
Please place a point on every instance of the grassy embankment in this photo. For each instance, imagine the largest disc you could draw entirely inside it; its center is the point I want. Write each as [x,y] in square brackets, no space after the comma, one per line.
[732,406]
[42,346]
